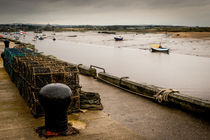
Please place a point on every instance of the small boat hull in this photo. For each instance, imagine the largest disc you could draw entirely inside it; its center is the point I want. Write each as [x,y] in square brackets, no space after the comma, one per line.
[72,36]
[41,38]
[164,50]
[118,38]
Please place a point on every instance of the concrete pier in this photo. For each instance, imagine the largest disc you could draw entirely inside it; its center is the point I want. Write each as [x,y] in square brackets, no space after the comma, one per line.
[172,97]
[146,117]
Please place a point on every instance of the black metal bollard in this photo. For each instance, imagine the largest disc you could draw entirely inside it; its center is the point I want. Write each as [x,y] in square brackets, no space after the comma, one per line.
[55,99]
[6,43]
[2,55]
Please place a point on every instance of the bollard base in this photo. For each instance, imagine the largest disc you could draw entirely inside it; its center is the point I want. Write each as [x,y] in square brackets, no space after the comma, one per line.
[43,132]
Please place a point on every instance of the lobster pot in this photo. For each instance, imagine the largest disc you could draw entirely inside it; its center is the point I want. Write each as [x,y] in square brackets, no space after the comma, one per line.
[8,67]
[33,101]
[10,53]
[31,71]
[20,84]
[41,76]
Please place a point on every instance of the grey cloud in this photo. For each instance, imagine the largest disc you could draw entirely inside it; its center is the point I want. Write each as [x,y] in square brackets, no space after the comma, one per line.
[104,3]
[78,11]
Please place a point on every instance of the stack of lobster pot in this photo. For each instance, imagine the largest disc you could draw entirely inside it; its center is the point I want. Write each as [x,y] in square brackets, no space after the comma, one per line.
[31,71]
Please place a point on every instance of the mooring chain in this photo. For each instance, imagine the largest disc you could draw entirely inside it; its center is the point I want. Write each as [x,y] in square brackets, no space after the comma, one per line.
[163,94]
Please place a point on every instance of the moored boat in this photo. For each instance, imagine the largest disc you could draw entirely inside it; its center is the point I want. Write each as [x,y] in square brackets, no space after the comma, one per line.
[41,38]
[159,48]
[118,38]
[72,36]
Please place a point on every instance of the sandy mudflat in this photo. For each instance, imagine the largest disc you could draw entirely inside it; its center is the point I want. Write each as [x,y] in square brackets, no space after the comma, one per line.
[196,35]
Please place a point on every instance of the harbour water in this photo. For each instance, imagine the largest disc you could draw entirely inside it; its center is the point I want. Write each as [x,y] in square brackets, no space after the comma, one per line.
[187,73]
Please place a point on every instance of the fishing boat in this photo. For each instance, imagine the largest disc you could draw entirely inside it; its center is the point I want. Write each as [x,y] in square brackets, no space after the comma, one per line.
[159,48]
[41,38]
[72,36]
[105,32]
[118,38]
[22,32]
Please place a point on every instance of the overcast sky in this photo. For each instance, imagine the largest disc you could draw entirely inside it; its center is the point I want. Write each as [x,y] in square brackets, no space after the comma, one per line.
[106,12]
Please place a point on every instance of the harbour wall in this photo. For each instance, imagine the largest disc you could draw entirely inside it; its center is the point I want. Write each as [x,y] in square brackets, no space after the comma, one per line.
[169,97]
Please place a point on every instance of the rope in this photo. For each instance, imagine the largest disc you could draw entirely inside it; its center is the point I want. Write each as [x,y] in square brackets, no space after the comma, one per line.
[163,94]
[124,88]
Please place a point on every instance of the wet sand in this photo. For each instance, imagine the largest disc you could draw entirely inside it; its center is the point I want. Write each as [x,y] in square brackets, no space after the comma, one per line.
[195,35]
[187,43]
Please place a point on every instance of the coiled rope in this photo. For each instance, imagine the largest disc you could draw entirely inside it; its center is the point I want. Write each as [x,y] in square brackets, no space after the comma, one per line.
[163,94]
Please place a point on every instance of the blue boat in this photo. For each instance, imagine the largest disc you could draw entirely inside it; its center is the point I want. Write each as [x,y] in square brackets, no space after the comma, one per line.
[41,38]
[119,38]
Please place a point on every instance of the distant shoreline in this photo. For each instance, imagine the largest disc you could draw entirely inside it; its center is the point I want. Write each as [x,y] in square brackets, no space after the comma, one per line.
[102,28]
[181,34]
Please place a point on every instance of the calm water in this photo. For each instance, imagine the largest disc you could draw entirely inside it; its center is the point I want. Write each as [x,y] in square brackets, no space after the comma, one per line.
[188,74]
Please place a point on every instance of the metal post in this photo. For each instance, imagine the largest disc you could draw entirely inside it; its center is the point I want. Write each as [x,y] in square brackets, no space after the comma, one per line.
[55,98]
[6,43]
